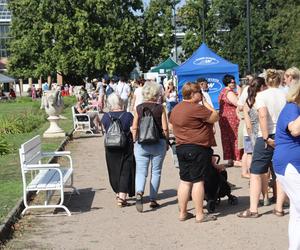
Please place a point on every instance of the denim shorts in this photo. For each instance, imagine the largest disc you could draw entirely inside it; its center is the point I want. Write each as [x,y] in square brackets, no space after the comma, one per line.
[262,157]
[248,146]
[194,160]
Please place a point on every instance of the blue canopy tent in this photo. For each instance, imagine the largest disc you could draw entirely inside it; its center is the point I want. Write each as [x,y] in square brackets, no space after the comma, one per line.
[206,64]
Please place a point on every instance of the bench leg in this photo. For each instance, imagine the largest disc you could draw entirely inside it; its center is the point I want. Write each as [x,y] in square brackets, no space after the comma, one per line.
[48,206]
[66,209]
[24,211]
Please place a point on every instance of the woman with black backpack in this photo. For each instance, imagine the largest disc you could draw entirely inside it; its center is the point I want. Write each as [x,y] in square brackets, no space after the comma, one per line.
[149,131]
[119,149]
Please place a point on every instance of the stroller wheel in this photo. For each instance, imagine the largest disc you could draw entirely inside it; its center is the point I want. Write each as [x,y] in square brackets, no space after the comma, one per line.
[211,206]
[232,200]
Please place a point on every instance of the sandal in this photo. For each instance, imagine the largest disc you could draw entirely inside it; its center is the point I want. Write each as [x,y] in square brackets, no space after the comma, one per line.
[186,217]
[206,218]
[154,204]
[139,202]
[248,214]
[278,213]
[121,202]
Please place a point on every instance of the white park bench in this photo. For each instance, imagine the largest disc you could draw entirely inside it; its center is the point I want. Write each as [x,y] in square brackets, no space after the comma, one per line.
[48,177]
[81,122]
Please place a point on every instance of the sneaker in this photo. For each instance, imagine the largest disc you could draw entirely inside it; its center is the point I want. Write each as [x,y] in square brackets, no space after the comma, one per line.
[139,202]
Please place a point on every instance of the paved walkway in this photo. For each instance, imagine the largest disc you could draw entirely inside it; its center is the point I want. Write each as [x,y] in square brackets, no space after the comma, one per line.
[97,223]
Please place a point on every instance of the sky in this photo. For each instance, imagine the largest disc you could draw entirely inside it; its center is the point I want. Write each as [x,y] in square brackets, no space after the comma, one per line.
[180,4]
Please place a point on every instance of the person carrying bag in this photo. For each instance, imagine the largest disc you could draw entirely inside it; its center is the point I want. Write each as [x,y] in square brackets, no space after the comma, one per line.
[149,131]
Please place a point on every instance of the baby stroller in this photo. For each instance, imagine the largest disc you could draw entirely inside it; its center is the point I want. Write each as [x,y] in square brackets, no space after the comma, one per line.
[216,187]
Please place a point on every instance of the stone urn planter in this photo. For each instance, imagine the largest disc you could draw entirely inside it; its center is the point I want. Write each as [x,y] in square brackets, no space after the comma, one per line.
[53,104]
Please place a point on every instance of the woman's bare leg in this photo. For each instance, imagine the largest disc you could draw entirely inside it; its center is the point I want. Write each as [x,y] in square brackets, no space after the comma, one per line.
[281,196]
[264,190]
[255,190]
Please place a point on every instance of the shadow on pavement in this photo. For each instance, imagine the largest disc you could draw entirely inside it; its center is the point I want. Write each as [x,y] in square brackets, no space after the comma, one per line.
[162,195]
[224,209]
[80,203]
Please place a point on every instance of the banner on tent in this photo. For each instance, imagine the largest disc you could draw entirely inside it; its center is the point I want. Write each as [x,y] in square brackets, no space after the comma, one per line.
[215,84]
[206,60]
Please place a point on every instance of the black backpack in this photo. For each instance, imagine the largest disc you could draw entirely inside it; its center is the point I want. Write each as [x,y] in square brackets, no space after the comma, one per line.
[115,137]
[148,129]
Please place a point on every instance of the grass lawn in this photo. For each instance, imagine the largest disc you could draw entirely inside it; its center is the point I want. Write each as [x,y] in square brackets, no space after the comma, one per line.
[10,174]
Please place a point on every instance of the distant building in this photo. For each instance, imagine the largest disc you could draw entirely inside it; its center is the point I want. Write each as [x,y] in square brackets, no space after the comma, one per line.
[5,20]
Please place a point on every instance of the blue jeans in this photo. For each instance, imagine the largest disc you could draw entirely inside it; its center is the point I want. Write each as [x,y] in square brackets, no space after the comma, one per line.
[143,155]
[170,106]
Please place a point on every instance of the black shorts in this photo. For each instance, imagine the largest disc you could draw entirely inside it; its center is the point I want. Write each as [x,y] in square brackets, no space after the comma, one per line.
[194,160]
[262,157]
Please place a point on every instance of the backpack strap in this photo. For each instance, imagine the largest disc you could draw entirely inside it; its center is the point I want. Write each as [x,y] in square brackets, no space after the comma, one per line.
[148,109]
[121,115]
[118,118]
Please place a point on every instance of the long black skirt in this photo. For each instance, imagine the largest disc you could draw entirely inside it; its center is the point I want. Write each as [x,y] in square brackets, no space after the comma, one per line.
[121,169]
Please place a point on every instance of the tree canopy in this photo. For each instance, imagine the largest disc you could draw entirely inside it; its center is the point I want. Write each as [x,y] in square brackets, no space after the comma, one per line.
[93,37]
[157,34]
[274,31]
[75,38]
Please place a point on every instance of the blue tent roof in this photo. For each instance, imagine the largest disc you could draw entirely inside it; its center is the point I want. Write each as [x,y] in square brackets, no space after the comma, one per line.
[204,61]
[206,64]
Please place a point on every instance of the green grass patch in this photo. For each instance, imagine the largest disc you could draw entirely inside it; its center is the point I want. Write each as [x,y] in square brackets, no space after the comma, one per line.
[35,119]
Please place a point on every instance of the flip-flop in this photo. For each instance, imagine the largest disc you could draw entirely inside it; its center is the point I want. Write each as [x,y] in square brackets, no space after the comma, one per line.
[248,214]
[278,213]
[206,218]
[186,217]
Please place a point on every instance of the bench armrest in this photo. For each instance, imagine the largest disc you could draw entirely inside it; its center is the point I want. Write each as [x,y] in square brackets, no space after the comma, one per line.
[56,153]
[66,154]
[42,166]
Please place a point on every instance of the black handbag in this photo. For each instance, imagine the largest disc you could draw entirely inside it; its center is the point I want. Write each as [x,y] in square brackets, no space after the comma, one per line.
[148,129]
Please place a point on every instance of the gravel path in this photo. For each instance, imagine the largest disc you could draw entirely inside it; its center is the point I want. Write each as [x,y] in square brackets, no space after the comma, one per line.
[97,223]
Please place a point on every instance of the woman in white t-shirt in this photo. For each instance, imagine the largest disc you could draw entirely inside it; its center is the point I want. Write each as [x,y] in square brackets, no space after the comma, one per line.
[269,104]
[137,95]
[171,97]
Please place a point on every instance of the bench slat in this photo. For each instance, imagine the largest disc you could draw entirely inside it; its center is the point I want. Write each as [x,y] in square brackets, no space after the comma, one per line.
[49,179]
[32,143]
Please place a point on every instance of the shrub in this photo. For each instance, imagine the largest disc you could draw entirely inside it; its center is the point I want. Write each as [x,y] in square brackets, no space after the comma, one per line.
[9,125]
[4,149]
[21,123]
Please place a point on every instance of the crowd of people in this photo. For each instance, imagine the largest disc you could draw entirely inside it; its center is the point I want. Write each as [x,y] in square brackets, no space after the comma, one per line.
[259,121]
[128,167]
